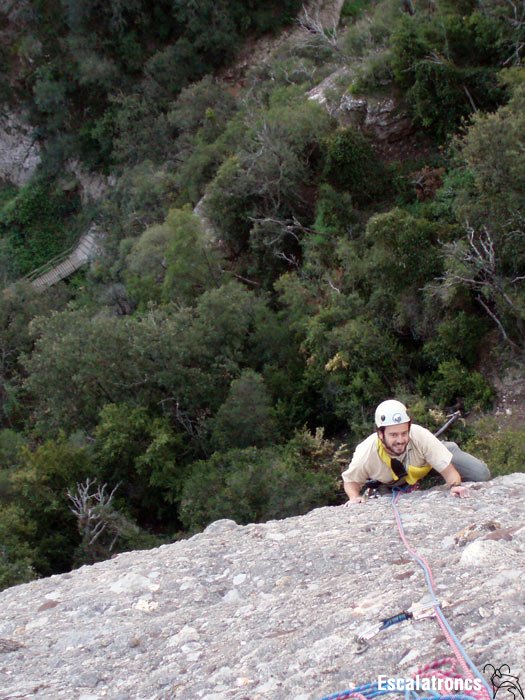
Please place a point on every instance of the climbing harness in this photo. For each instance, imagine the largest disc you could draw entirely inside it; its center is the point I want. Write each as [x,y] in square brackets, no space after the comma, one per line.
[459,668]
[410,473]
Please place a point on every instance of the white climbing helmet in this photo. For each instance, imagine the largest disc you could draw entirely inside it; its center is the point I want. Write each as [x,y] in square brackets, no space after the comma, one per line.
[391,412]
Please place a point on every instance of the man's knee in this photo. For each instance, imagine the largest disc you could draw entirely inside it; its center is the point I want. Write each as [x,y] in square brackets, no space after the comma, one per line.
[483,472]
[471,468]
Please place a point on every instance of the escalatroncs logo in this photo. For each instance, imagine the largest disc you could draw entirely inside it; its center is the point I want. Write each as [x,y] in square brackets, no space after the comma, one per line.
[503,682]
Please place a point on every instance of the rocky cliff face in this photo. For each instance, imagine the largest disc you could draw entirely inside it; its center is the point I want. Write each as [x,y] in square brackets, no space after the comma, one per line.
[270,611]
[19,152]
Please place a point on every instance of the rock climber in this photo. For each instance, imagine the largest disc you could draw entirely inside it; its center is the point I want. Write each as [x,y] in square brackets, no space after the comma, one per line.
[401,452]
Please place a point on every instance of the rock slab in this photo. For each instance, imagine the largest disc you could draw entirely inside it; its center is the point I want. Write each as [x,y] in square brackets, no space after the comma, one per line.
[270,611]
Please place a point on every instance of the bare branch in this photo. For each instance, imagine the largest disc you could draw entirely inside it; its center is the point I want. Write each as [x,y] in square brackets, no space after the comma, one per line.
[312,24]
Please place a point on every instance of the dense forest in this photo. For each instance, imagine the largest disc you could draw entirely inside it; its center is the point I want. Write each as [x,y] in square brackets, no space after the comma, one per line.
[271,269]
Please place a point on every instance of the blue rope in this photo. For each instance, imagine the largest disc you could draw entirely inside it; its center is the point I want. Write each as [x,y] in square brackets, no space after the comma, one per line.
[370,690]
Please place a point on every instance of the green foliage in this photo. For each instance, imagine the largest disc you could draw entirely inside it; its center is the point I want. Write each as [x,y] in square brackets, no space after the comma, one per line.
[352,166]
[268,181]
[228,205]
[457,337]
[50,99]
[500,448]
[16,554]
[454,383]
[457,92]
[141,131]
[138,451]
[141,198]
[207,134]
[354,8]
[404,256]
[172,261]
[487,260]
[492,153]
[245,418]
[252,485]
[11,444]
[146,264]
[351,363]
[35,223]
[441,61]
[192,265]
[145,54]
[39,489]
[373,74]
[19,304]
[180,359]
[203,108]
[333,211]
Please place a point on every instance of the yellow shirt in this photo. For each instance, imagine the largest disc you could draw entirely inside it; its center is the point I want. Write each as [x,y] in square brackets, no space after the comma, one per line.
[423,449]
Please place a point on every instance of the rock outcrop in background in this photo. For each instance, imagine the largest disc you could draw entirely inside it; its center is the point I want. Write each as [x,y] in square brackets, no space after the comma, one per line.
[270,611]
[19,151]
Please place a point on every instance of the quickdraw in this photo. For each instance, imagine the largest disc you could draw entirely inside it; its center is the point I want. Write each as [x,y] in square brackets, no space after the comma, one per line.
[416,611]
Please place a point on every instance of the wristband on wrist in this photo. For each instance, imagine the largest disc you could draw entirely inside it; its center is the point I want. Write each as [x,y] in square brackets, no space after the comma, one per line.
[455,483]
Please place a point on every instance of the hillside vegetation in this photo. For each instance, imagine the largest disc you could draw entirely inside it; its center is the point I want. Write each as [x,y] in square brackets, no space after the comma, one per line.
[204,371]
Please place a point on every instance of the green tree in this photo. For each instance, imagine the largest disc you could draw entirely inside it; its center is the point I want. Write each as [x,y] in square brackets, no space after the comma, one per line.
[352,166]
[260,197]
[138,451]
[404,257]
[245,418]
[16,554]
[176,360]
[491,150]
[192,264]
[251,485]
[39,490]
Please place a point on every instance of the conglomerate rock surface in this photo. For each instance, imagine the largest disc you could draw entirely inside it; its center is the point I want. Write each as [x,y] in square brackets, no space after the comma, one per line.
[270,611]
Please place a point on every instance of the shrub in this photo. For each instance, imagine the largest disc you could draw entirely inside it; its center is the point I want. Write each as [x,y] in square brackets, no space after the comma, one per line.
[251,485]
[353,9]
[40,492]
[141,198]
[352,166]
[400,244]
[373,73]
[453,384]
[458,337]
[138,451]
[142,131]
[229,206]
[16,554]
[35,223]
[442,95]
[245,418]
[334,212]
[501,449]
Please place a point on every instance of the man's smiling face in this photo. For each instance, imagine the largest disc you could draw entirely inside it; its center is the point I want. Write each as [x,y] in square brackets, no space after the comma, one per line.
[395,438]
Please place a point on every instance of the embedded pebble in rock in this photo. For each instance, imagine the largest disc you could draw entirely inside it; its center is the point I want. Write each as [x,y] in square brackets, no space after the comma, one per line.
[270,611]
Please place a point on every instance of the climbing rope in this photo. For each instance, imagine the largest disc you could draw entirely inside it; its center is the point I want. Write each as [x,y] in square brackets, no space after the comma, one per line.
[443,670]
[460,653]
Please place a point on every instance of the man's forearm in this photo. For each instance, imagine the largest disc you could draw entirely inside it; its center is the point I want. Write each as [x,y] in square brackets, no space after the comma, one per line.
[352,490]
[453,481]
[451,475]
